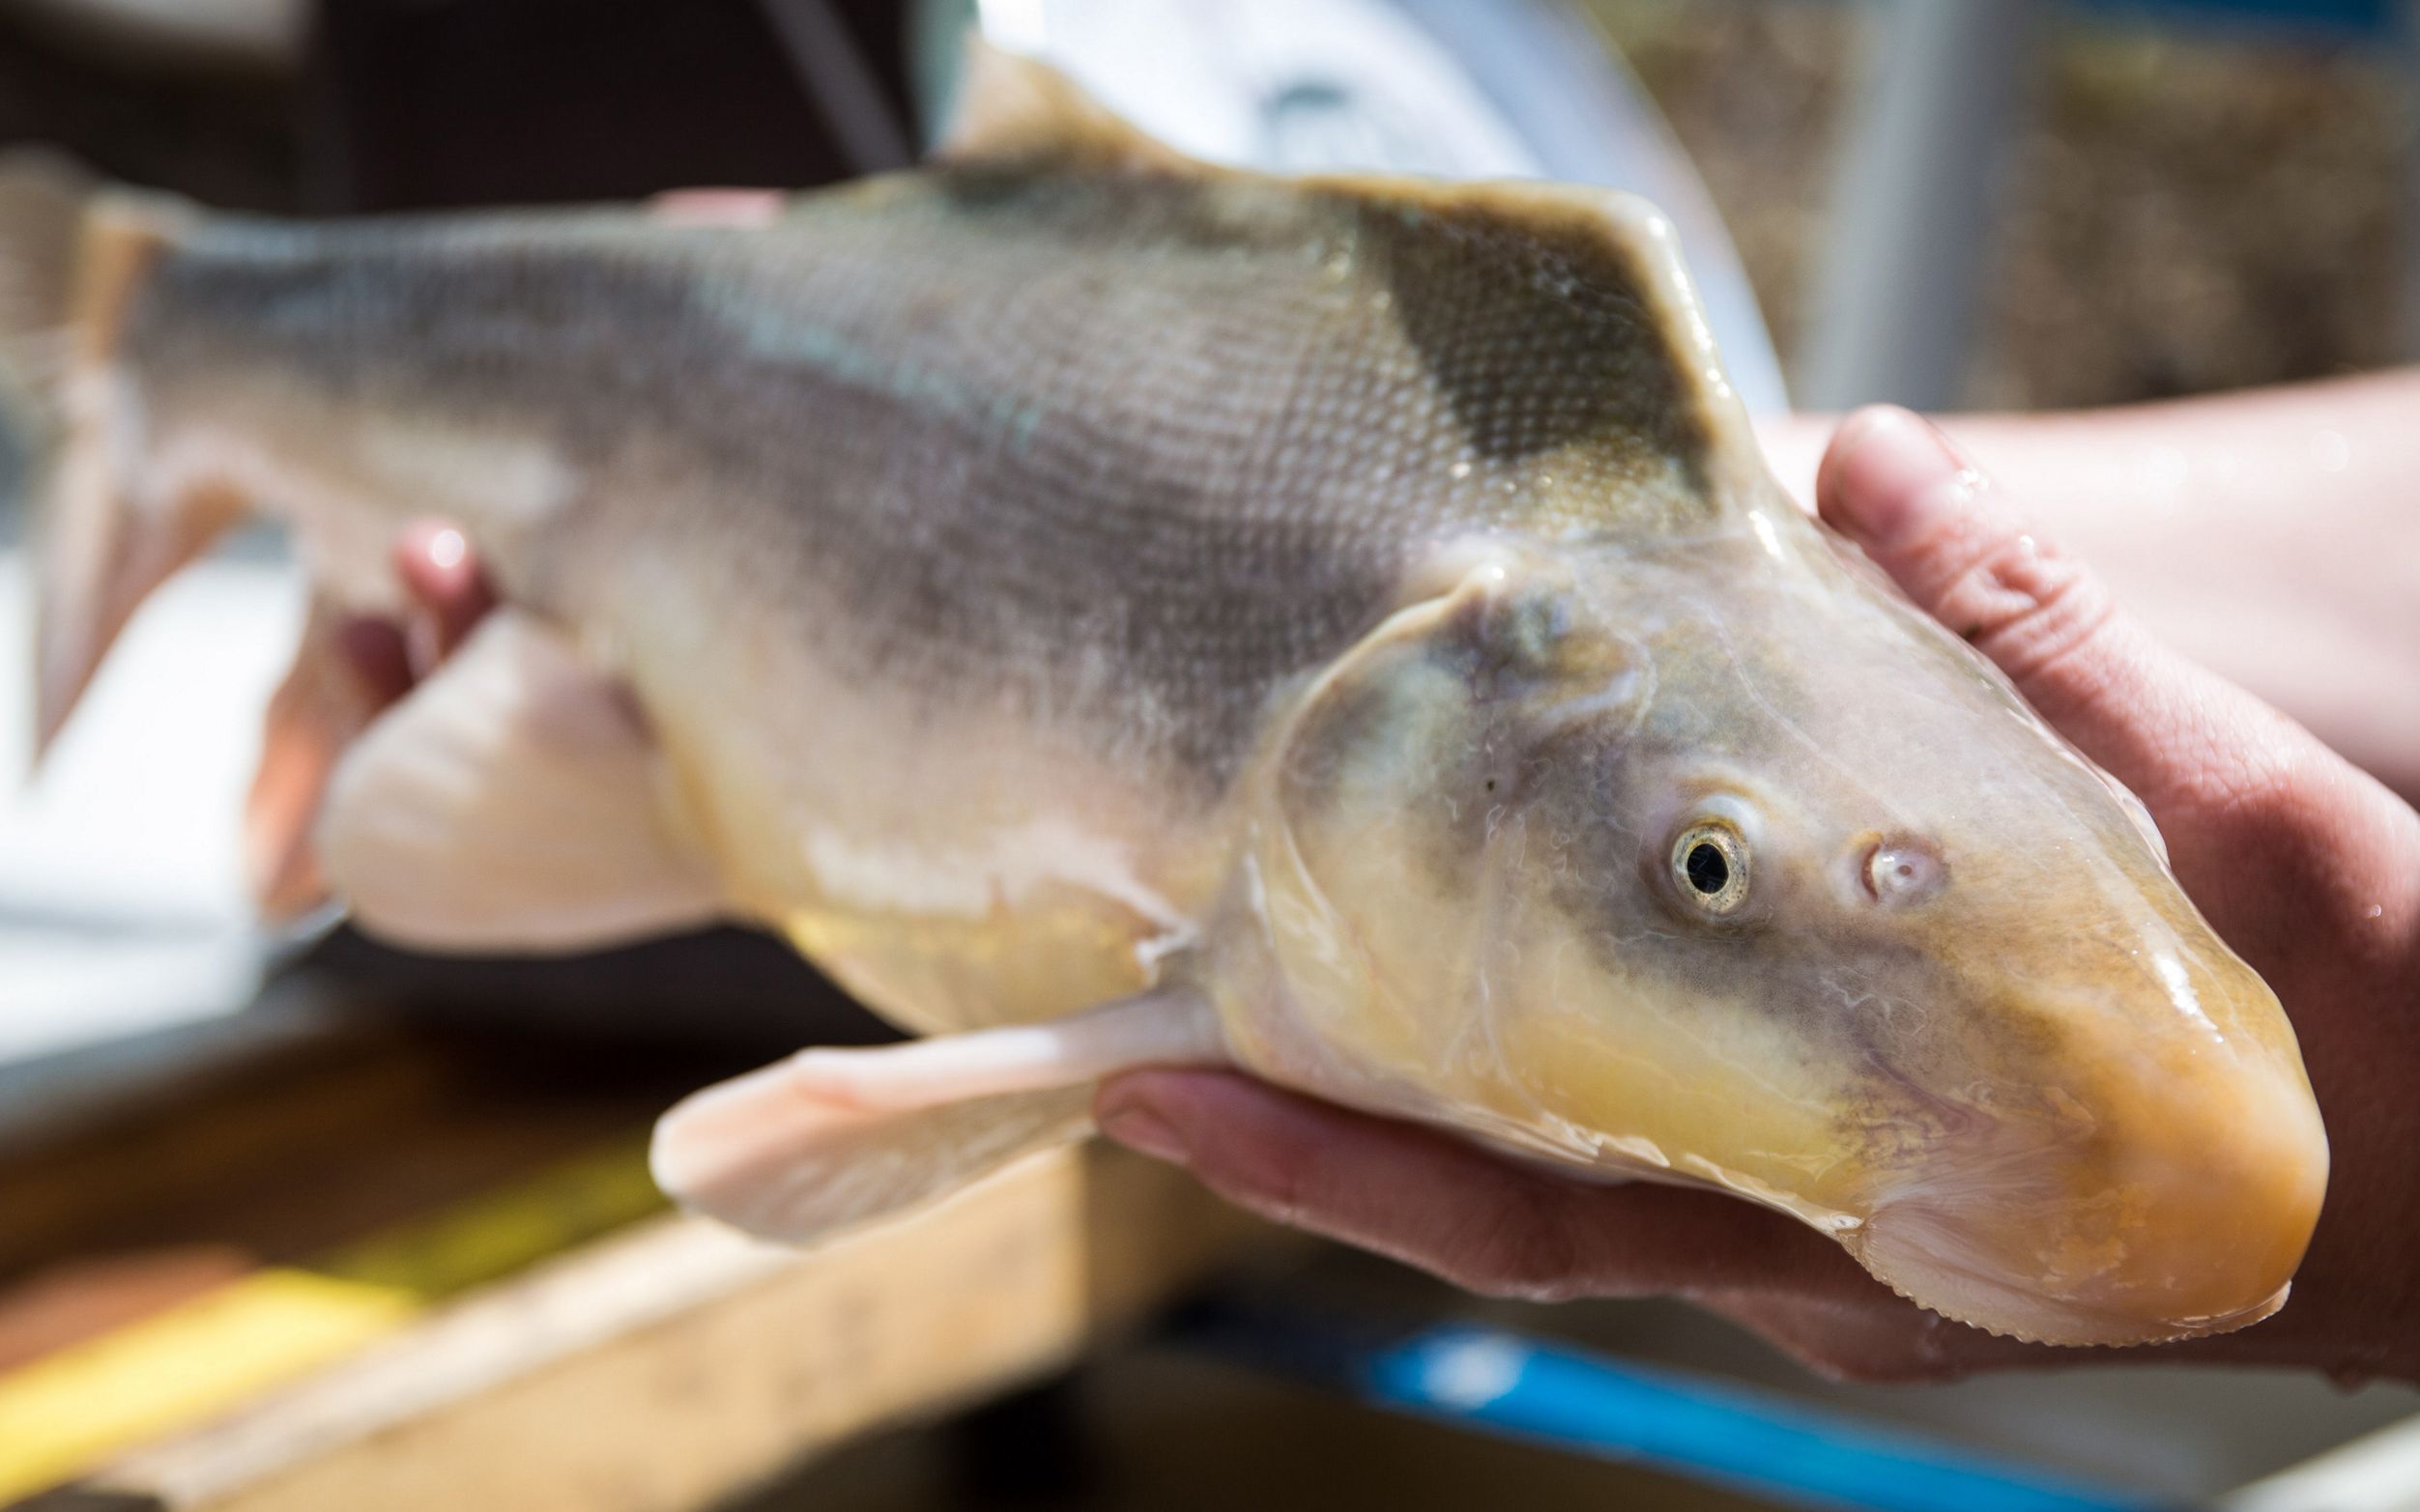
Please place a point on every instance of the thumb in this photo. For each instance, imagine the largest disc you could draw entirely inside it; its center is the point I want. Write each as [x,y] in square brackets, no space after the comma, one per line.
[447,590]
[1970,557]
[2229,779]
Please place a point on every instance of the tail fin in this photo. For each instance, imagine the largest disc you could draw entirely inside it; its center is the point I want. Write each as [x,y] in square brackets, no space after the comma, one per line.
[70,258]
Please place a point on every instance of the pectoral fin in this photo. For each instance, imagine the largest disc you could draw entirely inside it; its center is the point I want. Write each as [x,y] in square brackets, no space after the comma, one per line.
[515,801]
[831,1137]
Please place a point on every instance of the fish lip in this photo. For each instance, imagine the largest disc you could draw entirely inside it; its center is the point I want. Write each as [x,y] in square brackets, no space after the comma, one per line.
[2151,1240]
[2129,1200]
[2006,1309]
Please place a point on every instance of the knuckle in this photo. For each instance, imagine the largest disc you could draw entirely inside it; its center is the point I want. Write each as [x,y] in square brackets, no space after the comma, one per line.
[2031,610]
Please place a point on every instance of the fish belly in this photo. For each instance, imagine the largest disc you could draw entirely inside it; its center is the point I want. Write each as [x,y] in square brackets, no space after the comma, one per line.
[947,861]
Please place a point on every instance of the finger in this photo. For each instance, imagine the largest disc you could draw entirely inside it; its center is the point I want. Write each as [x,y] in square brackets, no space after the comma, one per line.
[1449,1208]
[374,649]
[1889,1339]
[727,207]
[1970,555]
[1971,558]
[450,593]
[1398,1191]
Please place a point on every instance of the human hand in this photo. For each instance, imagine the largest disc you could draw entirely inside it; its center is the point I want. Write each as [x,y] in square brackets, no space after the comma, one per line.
[2308,868]
[445,597]
[2269,534]
[351,669]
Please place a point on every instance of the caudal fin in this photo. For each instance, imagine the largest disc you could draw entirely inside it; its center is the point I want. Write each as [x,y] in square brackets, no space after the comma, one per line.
[71,256]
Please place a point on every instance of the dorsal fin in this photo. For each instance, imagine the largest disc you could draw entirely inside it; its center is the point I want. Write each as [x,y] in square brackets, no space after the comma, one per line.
[1019,112]
[1558,325]
[1591,273]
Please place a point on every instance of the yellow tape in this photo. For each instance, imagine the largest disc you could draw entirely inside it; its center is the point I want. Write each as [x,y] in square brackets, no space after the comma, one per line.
[65,1410]
[177,1369]
[498,1234]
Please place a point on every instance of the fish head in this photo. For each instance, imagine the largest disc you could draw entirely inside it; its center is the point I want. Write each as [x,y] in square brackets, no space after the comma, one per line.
[1721,861]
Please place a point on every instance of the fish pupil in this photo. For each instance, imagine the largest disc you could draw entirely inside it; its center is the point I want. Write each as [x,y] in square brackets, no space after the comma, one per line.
[1708,873]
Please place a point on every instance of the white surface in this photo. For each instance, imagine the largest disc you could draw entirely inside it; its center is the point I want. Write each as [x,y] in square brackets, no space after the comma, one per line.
[1274,83]
[121,900]
[1435,88]
[2379,1473]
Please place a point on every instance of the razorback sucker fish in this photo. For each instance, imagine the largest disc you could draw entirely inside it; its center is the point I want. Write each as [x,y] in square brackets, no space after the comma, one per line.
[1110,611]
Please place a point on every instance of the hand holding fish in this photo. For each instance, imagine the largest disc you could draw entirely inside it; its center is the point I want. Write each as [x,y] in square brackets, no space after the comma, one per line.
[2222,523]
[446,597]
[2308,868]
[2278,839]
[1112,611]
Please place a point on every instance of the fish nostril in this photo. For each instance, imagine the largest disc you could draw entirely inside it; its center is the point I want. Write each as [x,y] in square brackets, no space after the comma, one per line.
[1903,873]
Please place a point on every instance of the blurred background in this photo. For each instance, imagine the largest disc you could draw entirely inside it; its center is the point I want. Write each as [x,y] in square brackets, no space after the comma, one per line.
[1982,205]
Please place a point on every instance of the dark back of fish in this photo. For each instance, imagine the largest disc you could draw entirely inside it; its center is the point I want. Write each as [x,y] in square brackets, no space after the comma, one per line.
[1132,448]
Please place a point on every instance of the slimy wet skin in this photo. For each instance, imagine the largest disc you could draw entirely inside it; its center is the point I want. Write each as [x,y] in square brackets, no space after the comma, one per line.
[1854,935]
[1110,611]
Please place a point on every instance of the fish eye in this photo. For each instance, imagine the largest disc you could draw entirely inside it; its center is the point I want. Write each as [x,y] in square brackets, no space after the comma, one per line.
[1709,867]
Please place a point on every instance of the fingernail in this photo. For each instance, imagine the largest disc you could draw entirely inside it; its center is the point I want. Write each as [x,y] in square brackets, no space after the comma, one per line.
[1890,473]
[1137,1126]
[447,548]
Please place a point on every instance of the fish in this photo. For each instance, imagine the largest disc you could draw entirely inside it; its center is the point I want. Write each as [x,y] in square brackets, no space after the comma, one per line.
[1110,611]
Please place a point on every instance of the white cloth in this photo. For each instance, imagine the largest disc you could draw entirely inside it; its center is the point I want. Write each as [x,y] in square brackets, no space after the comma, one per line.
[121,901]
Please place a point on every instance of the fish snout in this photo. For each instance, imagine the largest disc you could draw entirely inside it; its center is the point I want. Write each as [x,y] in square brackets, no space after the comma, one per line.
[2148,1188]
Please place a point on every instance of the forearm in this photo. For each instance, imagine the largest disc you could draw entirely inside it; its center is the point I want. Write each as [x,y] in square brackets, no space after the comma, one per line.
[2273,535]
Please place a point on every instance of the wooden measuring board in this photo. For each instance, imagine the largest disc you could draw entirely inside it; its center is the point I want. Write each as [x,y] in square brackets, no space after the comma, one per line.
[363,1266]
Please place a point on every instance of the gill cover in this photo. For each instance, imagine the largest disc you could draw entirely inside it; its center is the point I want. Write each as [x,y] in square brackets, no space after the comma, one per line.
[1440,817]
[1567,857]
